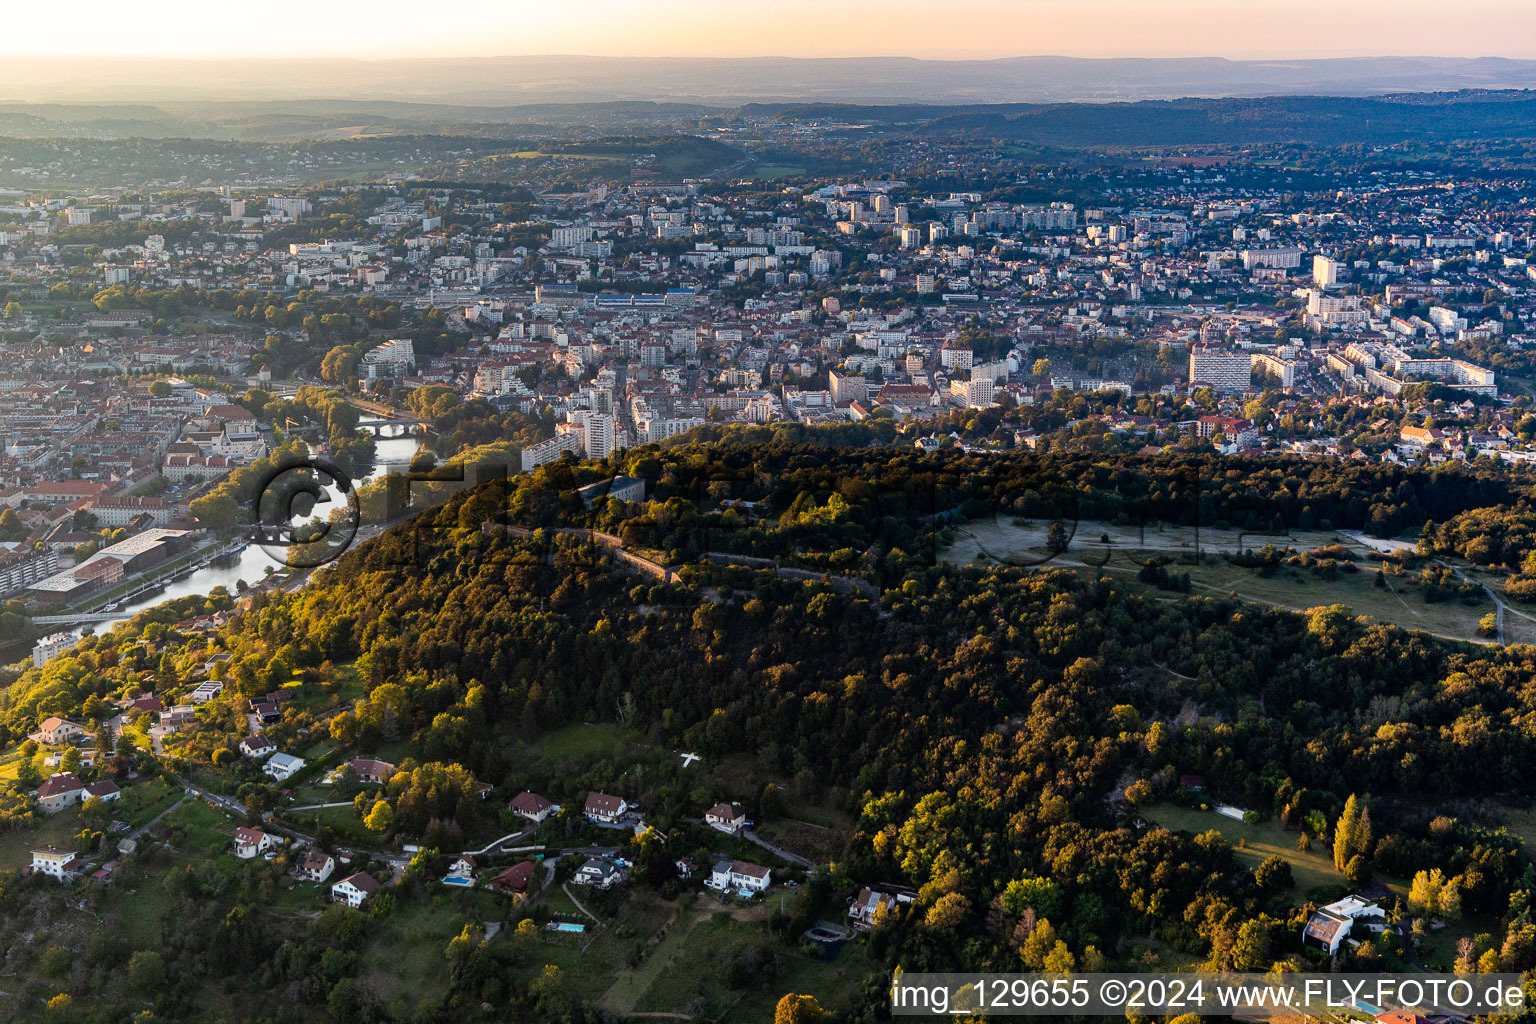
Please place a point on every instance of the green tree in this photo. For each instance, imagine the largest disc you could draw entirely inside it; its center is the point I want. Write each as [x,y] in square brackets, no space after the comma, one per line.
[1346,832]
[146,972]
[1358,871]
[1273,875]
[11,526]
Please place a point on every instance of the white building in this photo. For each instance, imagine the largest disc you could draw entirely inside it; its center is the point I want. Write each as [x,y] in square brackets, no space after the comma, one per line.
[1287,258]
[48,646]
[738,874]
[282,766]
[393,358]
[725,817]
[1325,271]
[205,692]
[549,451]
[354,889]
[252,842]
[1223,371]
[533,806]
[62,865]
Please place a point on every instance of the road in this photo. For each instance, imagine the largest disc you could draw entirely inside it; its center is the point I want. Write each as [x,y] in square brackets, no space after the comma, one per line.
[488,847]
[224,803]
[153,821]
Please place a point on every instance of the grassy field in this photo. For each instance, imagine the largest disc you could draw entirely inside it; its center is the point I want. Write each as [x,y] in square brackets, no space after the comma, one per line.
[1400,603]
[404,958]
[770,172]
[587,742]
[139,803]
[142,802]
[1311,870]
[10,761]
[698,968]
[342,821]
[60,830]
[200,829]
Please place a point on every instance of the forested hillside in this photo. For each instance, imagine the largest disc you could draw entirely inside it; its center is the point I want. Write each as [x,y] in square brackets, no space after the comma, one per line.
[1001,739]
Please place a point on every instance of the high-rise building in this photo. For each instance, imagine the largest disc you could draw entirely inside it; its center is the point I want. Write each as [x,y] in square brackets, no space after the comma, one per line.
[1325,272]
[847,388]
[1222,371]
[1284,258]
[597,434]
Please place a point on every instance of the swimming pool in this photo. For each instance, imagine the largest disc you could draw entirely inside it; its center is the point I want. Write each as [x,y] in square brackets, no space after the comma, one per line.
[458,880]
[561,926]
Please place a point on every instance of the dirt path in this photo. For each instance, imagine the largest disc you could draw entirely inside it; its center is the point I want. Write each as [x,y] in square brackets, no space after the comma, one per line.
[566,886]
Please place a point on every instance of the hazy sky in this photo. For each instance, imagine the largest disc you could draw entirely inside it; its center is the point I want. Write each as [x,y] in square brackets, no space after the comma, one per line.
[810,28]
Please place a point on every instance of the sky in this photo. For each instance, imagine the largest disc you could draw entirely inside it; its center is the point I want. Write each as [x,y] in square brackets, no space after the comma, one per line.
[1243,29]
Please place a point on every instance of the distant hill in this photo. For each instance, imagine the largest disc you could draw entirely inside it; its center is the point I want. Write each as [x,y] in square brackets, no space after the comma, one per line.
[1327,120]
[520,81]
[1311,119]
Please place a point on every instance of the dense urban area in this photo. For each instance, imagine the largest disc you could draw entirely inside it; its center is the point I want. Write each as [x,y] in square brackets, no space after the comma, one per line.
[791,545]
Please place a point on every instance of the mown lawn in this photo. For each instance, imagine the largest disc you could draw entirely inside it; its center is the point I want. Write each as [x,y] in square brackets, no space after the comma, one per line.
[1311,870]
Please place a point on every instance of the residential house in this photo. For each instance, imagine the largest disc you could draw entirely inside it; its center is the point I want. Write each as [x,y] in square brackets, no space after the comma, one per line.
[178,717]
[1329,926]
[869,905]
[463,868]
[54,731]
[252,842]
[257,746]
[60,864]
[106,791]
[354,889]
[598,871]
[516,880]
[738,874]
[60,791]
[205,692]
[726,818]
[143,705]
[603,808]
[314,866]
[371,771]
[282,766]
[533,807]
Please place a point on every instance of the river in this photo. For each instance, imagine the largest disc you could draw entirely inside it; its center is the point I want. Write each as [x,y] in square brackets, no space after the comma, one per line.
[391,455]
